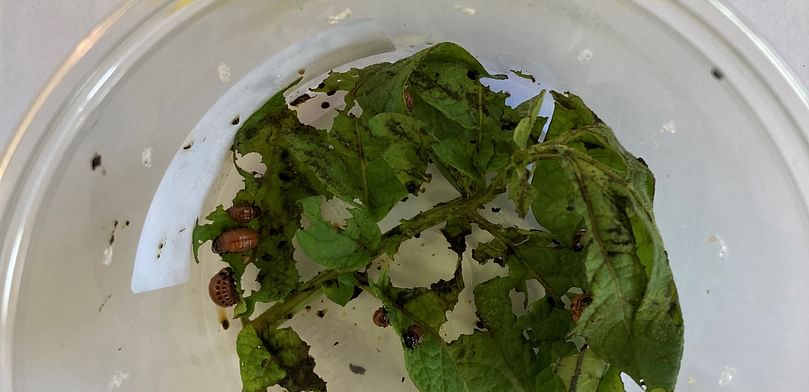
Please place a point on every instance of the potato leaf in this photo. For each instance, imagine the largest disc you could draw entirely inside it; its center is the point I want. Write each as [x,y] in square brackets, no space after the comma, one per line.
[276,357]
[344,249]
[595,188]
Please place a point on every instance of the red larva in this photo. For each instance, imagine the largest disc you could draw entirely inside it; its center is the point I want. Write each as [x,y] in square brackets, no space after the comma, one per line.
[222,288]
[381,318]
[244,212]
[408,100]
[235,240]
[578,304]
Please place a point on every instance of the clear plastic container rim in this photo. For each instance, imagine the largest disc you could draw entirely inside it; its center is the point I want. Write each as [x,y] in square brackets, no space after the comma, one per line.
[114,46]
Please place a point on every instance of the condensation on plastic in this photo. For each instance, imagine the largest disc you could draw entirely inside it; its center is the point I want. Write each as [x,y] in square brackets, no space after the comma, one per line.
[684,84]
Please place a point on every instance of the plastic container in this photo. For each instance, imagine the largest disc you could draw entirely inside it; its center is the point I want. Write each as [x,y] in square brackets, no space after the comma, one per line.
[722,123]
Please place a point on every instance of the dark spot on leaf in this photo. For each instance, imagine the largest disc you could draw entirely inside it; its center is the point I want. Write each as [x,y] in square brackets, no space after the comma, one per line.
[569,208]
[412,187]
[331,92]
[356,369]
[321,313]
[417,235]
[325,105]
[495,209]
[290,316]
[551,301]
[96,162]
[472,74]
[592,146]
[284,176]
[301,99]
[499,260]
[642,162]
[717,73]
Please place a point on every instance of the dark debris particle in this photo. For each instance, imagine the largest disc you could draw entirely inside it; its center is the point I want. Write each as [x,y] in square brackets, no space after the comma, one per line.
[321,313]
[336,343]
[495,209]
[417,235]
[290,316]
[404,199]
[301,71]
[120,348]
[225,324]
[235,120]
[356,369]
[480,325]
[126,224]
[403,378]
[188,146]
[96,162]
[325,105]
[332,92]
[308,308]
[717,73]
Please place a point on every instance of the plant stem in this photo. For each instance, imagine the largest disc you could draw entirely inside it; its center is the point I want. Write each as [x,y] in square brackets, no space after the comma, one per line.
[294,302]
[407,229]
[494,230]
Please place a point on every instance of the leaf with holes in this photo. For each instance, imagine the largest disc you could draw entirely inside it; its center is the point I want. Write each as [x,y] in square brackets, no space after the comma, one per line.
[276,357]
[334,247]
[595,195]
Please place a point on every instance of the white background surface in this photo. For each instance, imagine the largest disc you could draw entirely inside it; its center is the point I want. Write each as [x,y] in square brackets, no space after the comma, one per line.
[37,35]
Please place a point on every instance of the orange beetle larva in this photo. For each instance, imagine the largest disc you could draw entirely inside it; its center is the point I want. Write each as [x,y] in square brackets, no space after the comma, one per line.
[578,304]
[222,288]
[381,318]
[244,212]
[235,240]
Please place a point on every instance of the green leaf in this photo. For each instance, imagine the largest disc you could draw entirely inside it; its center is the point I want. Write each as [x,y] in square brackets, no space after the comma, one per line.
[535,255]
[409,147]
[276,357]
[526,125]
[341,289]
[348,161]
[344,249]
[592,184]
[455,232]
[460,155]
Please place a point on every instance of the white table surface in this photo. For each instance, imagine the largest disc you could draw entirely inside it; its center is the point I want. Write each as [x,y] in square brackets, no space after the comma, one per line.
[37,35]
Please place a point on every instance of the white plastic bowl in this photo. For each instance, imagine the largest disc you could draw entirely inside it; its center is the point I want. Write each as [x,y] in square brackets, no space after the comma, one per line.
[721,122]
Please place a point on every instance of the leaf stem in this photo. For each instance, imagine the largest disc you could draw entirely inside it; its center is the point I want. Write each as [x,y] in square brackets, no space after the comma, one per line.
[294,302]
[495,231]
[311,289]
[577,372]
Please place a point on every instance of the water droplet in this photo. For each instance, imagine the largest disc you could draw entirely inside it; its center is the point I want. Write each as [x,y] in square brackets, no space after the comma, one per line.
[724,252]
[337,18]
[726,377]
[224,72]
[669,127]
[465,10]
[585,56]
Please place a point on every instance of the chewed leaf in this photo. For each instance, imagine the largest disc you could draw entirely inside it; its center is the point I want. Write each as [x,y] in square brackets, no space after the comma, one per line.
[595,196]
[341,290]
[347,249]
[276,357]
